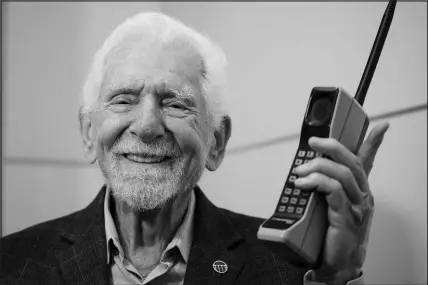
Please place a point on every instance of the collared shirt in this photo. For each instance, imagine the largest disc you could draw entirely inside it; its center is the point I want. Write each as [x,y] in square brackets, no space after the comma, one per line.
[172,267]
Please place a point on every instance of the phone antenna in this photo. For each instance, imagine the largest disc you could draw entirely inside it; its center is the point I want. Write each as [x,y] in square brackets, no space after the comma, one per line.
[366,79]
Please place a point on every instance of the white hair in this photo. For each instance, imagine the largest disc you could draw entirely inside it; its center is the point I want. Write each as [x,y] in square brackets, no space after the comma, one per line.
[165,30]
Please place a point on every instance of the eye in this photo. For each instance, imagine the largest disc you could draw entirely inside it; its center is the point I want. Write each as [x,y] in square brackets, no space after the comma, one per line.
[176,106]
[121,100]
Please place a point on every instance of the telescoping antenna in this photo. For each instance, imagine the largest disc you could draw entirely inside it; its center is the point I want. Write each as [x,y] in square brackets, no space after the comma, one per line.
[366,79]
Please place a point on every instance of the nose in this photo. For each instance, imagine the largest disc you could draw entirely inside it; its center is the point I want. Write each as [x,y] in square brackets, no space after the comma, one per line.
[148,124]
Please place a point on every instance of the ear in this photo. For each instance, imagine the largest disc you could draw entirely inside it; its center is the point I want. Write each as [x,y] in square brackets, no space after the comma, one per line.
[87,137]
[218,148]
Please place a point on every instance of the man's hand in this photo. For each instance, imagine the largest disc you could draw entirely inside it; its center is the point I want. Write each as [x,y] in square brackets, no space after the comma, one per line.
[344,181]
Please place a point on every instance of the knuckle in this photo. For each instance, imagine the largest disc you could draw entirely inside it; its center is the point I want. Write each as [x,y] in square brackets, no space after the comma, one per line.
[332,141]
[316,161]
[359,164]
[347,173]
[336,186]
[312,176]
[332,144]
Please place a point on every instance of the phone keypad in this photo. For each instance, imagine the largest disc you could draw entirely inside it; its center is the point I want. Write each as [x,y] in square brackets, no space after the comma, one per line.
[294,200]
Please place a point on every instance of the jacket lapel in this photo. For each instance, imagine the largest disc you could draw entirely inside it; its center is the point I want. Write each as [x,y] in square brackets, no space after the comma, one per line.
[214,239]
[82,252]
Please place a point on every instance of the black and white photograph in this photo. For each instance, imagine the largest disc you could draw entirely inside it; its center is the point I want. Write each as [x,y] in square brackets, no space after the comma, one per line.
[214,143]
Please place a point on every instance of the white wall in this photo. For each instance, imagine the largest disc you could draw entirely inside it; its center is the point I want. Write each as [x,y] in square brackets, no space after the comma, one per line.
[277,52]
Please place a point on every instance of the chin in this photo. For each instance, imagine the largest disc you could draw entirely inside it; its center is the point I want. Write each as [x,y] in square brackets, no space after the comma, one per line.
[152,188]
[144,196]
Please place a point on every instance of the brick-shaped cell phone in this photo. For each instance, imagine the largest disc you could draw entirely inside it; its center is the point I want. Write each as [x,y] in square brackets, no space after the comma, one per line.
[300,217]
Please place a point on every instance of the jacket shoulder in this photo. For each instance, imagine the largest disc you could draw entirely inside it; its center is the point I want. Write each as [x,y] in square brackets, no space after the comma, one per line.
[36,242]
[246,225]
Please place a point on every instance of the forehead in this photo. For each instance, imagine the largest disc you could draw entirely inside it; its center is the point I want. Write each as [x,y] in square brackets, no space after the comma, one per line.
[135,62]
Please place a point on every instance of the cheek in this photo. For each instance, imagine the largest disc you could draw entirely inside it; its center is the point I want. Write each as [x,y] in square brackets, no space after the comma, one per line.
[109,131]
[188,134]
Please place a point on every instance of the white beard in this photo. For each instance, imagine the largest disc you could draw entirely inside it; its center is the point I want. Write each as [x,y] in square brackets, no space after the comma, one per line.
[145,189]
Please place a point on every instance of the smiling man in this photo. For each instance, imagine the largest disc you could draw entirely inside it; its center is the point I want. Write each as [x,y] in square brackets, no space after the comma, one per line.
[153,119]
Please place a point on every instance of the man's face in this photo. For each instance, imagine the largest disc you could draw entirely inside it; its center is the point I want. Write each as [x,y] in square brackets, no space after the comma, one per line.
[150,131]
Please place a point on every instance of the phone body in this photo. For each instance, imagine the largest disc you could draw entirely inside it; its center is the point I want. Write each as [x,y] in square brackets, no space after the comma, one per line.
[300,217]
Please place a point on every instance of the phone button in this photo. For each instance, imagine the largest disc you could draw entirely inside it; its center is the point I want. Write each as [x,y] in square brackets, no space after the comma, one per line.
[310,154]
[302,202]
[299,210]
[284,200]
[298,161]
[293,201]
[290,209]
[296,192]
[288,191]
[301,153]
[292,178]
[281,209]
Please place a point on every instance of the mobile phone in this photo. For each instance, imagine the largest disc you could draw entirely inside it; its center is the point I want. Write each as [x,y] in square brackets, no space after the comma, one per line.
[300,218]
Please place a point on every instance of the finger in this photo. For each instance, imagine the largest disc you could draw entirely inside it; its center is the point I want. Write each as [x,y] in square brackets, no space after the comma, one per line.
[339,153]
[369,148]
[336,171]
[333,190]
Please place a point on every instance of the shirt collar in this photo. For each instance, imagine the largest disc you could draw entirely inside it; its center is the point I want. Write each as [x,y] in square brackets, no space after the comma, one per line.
[182,238]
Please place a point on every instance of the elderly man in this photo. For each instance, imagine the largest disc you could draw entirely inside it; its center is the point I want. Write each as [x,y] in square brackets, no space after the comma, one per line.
[153,119]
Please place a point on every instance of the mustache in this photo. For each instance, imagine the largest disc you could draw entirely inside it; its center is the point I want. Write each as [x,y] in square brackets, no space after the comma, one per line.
[161,147]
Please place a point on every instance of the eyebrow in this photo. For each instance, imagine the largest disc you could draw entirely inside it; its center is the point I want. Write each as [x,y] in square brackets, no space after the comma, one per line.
[184,93]
[124,88]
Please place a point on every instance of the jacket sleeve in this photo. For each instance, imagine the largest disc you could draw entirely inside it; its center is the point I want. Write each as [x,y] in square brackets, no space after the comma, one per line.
[307,280]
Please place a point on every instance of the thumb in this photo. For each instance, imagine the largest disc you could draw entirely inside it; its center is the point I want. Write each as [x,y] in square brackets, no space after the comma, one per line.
[369,148]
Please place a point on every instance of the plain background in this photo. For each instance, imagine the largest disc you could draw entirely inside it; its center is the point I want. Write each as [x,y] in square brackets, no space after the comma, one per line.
[277,53]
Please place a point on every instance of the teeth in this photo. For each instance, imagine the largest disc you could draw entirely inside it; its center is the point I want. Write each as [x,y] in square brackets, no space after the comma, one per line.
[145,159]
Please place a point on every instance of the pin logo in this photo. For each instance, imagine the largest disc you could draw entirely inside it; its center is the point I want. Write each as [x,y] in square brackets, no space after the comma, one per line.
[220,266]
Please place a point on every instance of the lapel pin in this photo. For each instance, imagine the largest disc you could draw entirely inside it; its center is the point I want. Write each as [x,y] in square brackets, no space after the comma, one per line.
[220,266]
